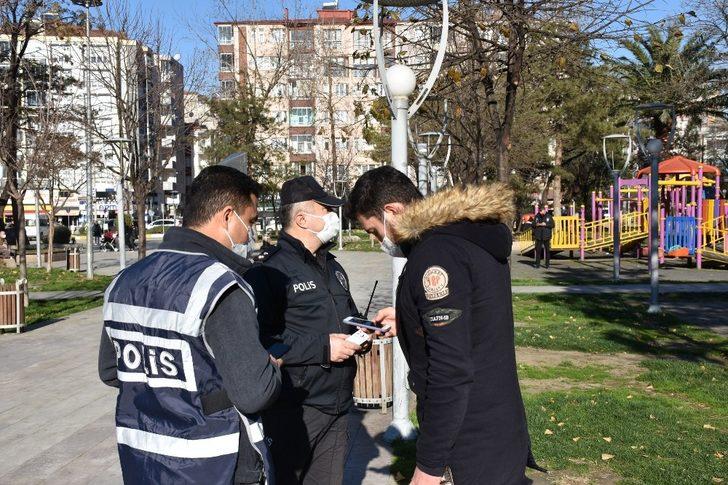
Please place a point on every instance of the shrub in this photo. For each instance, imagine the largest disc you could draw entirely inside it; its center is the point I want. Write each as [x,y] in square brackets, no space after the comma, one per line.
[62,234]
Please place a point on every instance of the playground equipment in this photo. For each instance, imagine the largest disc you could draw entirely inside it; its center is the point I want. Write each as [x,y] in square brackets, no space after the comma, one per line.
[693,217]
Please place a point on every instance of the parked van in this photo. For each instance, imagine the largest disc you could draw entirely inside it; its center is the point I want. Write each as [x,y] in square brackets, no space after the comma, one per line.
[31,228]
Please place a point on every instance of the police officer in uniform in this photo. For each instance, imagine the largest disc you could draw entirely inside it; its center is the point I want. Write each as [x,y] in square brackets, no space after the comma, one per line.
[180,341]
[454,323]
[303,295]
[543,225]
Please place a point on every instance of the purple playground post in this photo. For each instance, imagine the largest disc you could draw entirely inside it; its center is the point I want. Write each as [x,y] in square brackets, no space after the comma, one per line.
[662,235]
[582,233]
[699,242]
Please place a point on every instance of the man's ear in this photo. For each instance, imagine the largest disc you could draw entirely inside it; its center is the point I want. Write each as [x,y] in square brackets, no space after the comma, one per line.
[395,208]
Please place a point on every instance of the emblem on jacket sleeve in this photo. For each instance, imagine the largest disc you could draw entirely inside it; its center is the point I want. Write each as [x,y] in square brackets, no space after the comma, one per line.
[435,282]
[342,279]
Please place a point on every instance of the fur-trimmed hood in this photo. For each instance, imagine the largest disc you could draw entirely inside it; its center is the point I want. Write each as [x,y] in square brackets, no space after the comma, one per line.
[473,203]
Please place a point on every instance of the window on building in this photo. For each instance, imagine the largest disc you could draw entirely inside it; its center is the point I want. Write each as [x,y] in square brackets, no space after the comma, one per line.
[268,63]
[341,89]
[280,116]
[278,91]
[342,144]
[226,62]
[337,67]
[277,35]
[278,143]
[362,67]
[227,87]
[302,67]
[362,39]
[342,173]
[299,90]
[34,98]
[303,169]
[341,116]
[302,143]
[302,39]
[225,34]
[4,49]
[332,39]
[301,116]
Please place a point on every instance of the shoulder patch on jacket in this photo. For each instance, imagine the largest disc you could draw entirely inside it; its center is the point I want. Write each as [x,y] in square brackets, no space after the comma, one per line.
[435,283]
[440,317]
[342,279]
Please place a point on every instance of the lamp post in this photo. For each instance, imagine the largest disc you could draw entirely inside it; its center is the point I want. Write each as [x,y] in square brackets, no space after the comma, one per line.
[120,200]
[399,83]
[651,149]
[616,170]
[89,175]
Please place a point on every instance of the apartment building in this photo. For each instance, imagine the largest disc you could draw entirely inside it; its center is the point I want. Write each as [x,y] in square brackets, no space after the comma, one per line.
[320,78]
[128,81]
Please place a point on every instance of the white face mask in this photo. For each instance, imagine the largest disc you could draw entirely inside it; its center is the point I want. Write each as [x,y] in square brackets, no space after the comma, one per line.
[387,244]
[330,229]
[242,249]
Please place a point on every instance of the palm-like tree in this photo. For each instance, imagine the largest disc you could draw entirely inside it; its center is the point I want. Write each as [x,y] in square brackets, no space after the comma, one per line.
[667,67]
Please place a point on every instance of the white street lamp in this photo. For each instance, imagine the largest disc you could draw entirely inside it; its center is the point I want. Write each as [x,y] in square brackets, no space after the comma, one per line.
[399,82]
[617,168]
[120,201]
[89,175]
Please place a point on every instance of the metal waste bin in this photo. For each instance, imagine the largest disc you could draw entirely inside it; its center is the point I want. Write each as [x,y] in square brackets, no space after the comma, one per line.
[373,382]
[73,259]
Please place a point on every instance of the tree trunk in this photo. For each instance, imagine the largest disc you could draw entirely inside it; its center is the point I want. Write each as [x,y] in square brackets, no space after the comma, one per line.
[139,199]
[558,158]
[20,224]
[51,234]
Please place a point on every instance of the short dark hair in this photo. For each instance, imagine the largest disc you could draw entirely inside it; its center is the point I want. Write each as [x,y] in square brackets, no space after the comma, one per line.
[286,214]
[377,188]
[214,188]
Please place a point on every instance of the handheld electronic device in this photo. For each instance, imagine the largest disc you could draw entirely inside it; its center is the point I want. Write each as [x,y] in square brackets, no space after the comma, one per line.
[277,350]
[363,323]
[358,337]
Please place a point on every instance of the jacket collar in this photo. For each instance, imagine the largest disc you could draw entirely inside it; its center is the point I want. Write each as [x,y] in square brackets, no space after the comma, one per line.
[286,241]
[473,203]
[186,239]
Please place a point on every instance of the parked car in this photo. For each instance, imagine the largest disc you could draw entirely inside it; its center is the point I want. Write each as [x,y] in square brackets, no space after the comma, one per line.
[162,223]
[31,228]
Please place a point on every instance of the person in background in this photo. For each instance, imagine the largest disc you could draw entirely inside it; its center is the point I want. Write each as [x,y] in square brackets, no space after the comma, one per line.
[543,225]
[96,232]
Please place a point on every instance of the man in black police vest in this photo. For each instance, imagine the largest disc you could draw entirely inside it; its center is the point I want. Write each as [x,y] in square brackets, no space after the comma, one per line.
[303,295]
[180,341]
[543,225]
[454,323]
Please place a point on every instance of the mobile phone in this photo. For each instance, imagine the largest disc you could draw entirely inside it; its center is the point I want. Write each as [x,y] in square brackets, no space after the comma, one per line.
[277,350]
[363,323]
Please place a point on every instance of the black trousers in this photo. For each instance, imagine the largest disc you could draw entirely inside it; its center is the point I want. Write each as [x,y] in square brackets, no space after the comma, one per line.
[541,245]
[308,446]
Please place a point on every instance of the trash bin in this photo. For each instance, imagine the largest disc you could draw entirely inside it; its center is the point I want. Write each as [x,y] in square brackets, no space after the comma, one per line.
[373,382]
[73,259]
[12,305]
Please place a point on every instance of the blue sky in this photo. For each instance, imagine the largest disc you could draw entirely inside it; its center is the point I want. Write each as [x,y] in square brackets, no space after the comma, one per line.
[190,21]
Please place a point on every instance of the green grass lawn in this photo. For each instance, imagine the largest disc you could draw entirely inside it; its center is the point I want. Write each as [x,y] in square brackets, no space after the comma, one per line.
[40,311]
[609,323]
[56,280]
[661,420]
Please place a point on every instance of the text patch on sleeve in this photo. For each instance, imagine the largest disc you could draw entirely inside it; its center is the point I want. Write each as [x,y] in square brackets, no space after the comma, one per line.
[440,317]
